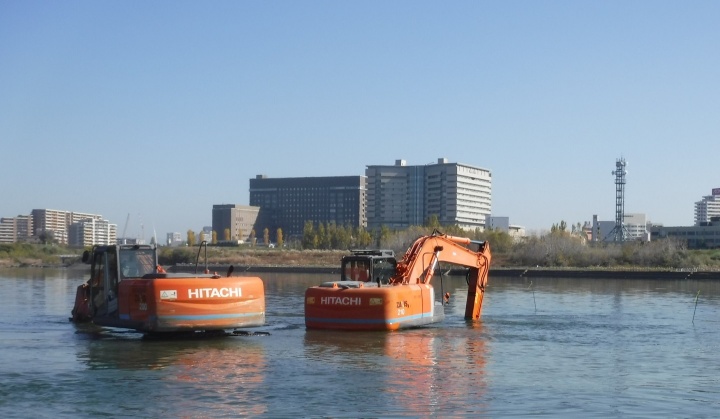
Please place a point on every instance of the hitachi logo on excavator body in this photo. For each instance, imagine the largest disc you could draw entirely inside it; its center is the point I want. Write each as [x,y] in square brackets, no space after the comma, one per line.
[215,293]
[341,301]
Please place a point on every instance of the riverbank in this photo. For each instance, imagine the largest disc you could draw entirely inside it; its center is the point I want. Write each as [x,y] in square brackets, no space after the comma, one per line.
[494,272]
[263,260]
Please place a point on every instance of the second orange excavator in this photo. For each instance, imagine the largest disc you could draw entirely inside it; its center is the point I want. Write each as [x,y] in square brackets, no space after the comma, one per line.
[375,292]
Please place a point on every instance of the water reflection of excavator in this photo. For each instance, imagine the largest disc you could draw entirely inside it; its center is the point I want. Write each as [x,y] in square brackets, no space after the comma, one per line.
[377,293]
[128,289]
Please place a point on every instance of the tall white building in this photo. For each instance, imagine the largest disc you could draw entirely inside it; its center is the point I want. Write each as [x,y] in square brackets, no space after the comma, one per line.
[707,208]
[92,231]
[58,222]
[400,196]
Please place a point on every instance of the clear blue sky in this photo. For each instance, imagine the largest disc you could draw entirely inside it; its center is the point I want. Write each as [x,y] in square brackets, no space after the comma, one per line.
[161,109]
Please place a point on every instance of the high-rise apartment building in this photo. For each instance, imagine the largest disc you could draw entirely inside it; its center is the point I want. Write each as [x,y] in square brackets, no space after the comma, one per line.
[58,222]
[287,203]
[707,207]
[92,231]
[401,196]
[15,229]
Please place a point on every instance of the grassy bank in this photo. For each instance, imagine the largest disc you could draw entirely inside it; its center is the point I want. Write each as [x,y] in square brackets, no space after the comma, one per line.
[538,254]
[25,254]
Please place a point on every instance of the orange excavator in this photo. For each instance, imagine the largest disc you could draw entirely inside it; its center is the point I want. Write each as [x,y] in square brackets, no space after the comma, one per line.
[128,289]
[375,292]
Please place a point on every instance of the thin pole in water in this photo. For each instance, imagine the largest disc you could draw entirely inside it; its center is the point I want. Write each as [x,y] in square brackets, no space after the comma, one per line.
[533,291]
[696,301]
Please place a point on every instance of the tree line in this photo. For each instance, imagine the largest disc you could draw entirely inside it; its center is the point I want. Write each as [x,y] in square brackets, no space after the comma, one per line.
[563,246]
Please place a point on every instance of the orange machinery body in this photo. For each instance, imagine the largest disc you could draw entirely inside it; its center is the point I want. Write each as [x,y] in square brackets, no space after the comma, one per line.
[391,295]
[355,305]
[176,302]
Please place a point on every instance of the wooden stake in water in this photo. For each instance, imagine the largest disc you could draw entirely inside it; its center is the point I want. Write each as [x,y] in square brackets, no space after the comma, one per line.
[696,300]
[533,291]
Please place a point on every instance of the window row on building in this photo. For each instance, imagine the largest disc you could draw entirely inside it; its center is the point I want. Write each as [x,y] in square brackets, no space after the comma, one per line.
[397,196]
[63,227]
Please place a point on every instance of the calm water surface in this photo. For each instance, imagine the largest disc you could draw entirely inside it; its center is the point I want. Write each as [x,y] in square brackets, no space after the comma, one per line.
[550,347]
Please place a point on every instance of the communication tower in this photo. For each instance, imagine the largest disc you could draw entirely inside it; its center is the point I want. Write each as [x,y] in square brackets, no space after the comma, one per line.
[619,233]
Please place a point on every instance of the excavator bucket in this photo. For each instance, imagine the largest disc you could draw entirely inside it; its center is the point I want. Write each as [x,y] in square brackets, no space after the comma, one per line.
[477,279]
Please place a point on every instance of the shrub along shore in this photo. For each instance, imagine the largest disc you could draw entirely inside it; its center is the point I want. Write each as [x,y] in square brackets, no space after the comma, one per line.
[555,254]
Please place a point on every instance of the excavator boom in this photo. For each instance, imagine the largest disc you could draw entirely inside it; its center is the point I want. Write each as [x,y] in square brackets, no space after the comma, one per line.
[421,260]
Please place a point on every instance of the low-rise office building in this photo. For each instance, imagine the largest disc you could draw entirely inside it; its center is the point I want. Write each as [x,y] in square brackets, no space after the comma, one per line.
[705,236]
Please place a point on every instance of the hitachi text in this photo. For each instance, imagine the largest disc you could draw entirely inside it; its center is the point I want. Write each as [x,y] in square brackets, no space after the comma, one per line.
[215,293]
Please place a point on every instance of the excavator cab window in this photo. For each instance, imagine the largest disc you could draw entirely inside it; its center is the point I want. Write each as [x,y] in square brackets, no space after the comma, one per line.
[104,281]
[98,275]
[383,269]
[368,268]
[134,263]
[356,269]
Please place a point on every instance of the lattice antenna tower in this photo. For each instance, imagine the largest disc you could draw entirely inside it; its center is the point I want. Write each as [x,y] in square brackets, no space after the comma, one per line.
[619,233]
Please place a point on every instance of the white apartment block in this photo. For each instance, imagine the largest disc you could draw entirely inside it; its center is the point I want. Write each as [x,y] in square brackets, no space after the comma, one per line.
[91,231]
[707,208]
[58,222]
[401,196]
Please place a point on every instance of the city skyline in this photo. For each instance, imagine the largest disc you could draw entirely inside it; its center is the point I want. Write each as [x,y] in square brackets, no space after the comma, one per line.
[106,111]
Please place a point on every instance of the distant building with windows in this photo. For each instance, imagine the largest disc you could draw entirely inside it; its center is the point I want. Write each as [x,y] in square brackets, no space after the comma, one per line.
[58,222]
[497,223]
[503,224]
[635,224]
[15,229]
[400,196]
[174,239]
[288,203]
[707,208]
[205,235]
[92,231]
[706,236]
[234,223]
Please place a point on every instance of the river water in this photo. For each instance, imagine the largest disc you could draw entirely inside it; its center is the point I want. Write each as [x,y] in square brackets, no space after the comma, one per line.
[544,347]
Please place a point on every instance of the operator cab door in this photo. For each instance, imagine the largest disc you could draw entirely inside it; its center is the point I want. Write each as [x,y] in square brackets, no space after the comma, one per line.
[103,286]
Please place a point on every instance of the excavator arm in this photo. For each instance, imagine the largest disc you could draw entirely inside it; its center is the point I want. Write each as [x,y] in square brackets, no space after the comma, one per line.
[420,261]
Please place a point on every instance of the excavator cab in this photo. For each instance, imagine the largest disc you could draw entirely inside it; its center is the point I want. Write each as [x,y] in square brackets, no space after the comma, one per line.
[109,265]
[368,266]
